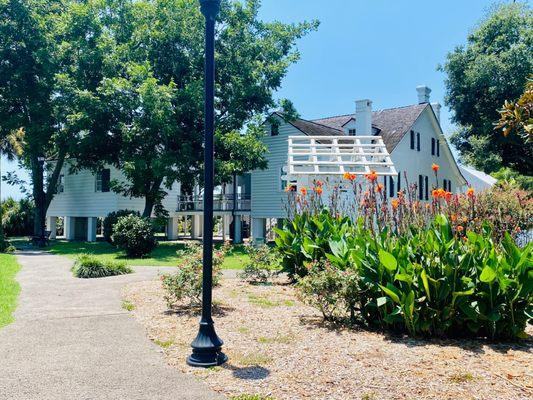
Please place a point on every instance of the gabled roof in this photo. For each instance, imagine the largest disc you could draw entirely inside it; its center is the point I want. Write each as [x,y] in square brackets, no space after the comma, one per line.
[393,123]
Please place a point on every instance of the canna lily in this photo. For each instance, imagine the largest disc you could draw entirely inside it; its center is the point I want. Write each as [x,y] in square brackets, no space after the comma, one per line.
[318,190]
[303,191]
[470,192]
[372,176]
[349,177]
[319,183]
[460,228]
[435,167]
[395,203]
[379,188]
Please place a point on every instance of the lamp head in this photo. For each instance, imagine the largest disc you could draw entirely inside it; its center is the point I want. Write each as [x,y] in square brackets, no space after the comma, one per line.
[210,8]
[41,159]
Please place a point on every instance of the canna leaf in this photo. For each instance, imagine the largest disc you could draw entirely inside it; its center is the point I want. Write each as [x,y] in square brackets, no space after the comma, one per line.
[487,275]
[425,282]
[391,294]
[388,260]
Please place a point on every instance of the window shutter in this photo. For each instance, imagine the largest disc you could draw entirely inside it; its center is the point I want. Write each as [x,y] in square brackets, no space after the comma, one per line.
[449,186]
[426,187]
[385,184]
[438,148]
[412,140]
[399,181]
[432,146]
[418,141]
[106,178]
[391,186]
[420,187]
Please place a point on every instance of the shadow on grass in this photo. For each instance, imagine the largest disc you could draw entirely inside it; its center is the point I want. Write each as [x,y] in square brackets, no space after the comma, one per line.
[253,372]
[219,310]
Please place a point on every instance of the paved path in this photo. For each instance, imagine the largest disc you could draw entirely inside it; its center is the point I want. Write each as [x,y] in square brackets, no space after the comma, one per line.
[72,340]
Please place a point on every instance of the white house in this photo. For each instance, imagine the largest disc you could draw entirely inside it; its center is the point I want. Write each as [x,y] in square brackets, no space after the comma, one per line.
[477,179]
[412,136]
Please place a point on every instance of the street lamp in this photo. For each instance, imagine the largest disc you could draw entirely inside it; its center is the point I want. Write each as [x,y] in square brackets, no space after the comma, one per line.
[207,346]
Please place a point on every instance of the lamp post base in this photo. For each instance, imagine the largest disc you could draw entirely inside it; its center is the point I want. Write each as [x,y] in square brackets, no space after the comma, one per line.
[206,348]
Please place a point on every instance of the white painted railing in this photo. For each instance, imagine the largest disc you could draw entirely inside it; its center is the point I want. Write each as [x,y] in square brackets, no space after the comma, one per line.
[336,155]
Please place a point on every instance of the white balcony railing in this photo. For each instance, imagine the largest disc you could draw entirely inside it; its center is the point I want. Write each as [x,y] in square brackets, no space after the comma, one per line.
[221,202]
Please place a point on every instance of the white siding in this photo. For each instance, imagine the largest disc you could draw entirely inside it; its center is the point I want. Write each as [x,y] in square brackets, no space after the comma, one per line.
[267,192]
[80,199]
[419,162]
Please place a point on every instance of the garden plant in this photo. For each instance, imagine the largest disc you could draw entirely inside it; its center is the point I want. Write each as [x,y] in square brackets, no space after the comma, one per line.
[449,267]
[88,266]
[134,235]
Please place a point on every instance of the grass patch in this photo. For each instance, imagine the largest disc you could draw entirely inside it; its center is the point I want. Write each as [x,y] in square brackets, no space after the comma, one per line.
[89,266]
[9,288]
[128,305]
[243,330]
[279,339]
[164,255]
[261,301]
[461,377]
[165,344]
[250,360]
[252,397]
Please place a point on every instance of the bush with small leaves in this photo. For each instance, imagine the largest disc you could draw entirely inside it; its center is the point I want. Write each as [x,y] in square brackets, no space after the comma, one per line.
[88,266]
[112,219]
[186,283]
[134,235]
[263,264]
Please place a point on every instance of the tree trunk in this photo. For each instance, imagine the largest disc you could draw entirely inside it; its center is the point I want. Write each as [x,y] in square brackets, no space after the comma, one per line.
[41,198]
[151,197]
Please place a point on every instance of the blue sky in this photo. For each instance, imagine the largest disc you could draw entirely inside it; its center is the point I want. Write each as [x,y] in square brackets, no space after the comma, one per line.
[376,49]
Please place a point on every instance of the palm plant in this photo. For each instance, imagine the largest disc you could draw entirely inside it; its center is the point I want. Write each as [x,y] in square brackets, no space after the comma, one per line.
[10,147]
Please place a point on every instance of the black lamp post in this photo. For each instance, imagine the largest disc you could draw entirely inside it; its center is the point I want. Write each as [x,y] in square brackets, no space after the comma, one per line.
[207,346]
[42,237]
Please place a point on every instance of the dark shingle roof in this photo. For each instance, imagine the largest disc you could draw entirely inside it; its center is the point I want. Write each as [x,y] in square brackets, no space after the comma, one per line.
[393,123]
[313,128]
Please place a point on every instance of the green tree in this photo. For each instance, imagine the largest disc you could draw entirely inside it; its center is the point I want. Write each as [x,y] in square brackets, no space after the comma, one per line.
[493,67]
[151,94]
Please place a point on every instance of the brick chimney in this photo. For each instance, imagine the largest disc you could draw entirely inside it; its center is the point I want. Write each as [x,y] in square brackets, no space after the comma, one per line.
[363,117]
[423,94]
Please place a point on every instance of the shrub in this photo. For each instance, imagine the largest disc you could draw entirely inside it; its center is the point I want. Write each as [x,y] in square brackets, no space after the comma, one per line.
[332,291]
[5,246]
[262,265]
[17,217]
[186,282]
[88,266]
[430,282]
[112,219]
[134,235]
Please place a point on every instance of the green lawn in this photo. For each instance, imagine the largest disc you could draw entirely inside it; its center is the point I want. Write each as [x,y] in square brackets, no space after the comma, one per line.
[9,288]
[163,255]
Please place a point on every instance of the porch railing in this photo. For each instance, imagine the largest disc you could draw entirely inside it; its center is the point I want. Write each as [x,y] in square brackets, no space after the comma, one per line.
[221,202]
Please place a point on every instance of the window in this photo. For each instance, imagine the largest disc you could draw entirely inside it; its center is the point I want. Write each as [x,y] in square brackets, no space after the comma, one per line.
[450,186]
[418,141]
[438,148]
[351,132]
[61,184]
[274,129]
[391,187]
[420,187]
[412,140]
[426,187]
[432,146]
[447,185]
[103,180]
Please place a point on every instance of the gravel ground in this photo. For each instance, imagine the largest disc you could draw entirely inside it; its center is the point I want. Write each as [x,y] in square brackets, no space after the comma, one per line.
[279,347]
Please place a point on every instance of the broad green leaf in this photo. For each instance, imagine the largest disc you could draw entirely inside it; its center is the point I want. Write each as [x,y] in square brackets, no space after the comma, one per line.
[425,282]
[487,275]
[388,260]
[391,294]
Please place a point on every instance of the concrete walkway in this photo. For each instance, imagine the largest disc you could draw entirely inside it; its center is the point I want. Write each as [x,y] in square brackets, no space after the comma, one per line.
[72,340]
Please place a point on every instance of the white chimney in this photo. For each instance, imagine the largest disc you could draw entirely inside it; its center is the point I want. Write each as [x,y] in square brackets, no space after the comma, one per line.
[436,109]
[423,94]
[363,117]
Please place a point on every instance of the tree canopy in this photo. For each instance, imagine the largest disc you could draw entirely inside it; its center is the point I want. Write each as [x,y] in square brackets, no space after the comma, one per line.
[492,68]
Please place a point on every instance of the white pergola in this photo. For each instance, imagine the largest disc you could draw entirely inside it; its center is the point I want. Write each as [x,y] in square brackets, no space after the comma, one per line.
[330,157]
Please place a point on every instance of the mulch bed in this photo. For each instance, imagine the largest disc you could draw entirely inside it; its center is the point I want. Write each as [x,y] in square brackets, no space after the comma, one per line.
[279,347]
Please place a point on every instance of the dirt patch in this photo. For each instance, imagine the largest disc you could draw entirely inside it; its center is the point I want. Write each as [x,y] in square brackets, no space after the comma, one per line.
[279,347]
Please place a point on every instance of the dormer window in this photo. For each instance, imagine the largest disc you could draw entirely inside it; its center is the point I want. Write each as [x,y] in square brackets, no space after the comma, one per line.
[351,132]
[274,129]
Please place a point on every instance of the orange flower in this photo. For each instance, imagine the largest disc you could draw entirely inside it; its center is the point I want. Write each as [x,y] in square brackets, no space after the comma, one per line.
[470,192]
[454,218]
[318,190]
[349,177]
[319,183]
[460,228]
[395,203]
[435,167]
[427,206]
[303,191]
[435,193]
[372,176]
[379,188]
[448,196]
